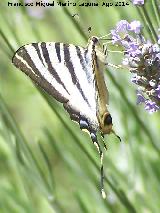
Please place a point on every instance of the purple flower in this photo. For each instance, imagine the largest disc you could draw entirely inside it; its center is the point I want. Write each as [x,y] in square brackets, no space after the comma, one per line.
[133,50]
[138,2]
[115,37]
[140,98]
[117,33]
[122,26]
[151,106]
[158,36]
[142,58]
[135,26]
[158,91]
[120,34]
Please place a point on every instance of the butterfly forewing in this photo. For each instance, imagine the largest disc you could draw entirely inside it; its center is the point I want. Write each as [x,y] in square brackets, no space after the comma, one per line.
[64,71]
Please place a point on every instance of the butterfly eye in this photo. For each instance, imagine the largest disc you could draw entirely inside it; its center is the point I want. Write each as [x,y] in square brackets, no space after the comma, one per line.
[108,120]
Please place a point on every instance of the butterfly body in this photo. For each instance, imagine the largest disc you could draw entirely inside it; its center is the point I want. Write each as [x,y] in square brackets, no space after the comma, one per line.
[74,76]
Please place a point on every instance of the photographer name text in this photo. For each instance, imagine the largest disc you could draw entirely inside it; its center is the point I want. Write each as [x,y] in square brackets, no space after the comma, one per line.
[68,4]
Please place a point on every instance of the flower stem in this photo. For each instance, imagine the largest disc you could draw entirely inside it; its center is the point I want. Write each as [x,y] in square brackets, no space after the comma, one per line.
[148,22]
[156,12]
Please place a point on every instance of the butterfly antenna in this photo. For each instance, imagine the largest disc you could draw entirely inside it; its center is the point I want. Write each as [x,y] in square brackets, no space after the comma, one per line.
[89,29]
[74,15]
[104,37]
[95,142]
[104,144]
[118,138]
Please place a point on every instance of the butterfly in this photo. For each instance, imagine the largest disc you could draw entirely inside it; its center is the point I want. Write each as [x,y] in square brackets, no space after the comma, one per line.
[74,76]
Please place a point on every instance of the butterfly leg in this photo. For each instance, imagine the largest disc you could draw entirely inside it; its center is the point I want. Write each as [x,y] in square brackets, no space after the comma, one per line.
[95,142]
[104,48]
[84,126]
[104,144]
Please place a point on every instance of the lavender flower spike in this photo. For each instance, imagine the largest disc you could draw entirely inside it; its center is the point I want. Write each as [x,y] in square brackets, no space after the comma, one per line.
[138,2]
[142,58]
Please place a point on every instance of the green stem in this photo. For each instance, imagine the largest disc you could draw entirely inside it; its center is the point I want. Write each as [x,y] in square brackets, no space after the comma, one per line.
[11,26]
[146,19]
[24,149]
[156,12]
[6,41]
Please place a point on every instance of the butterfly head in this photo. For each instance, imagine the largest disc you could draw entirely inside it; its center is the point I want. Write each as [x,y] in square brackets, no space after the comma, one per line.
[95,39]
[107,126]
[106,123]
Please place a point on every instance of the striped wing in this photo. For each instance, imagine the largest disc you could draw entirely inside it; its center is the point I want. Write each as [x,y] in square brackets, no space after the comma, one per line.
[74,76]
[65,72]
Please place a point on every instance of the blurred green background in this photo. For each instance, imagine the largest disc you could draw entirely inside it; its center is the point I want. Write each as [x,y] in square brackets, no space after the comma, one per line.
[47,164]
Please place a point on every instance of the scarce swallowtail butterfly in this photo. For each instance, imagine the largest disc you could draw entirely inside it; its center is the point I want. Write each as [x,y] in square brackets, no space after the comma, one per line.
[74,76]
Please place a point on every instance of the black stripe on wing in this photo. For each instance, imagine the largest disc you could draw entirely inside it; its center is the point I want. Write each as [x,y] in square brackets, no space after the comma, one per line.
[82,120]
[81,56]
[57,47]
[50,67]
[22,52]
[35,74]
[69,65]
[73,113]
[35,45]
